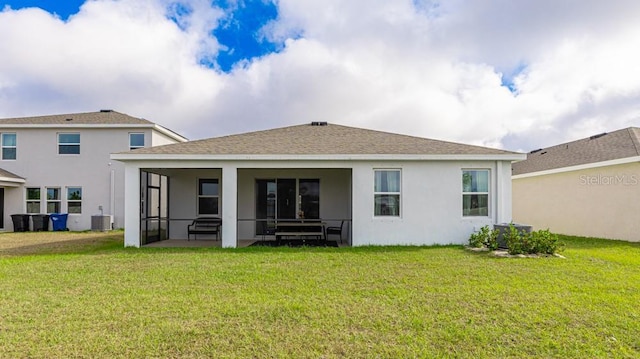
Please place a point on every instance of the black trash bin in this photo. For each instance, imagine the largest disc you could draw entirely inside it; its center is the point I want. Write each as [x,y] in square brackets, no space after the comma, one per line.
[40,222]
[20,222]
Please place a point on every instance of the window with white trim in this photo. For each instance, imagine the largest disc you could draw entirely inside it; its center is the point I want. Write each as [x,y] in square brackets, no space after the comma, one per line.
[74,200]
[33,200]
[475,193]
[136,140]
[53,200]
[69,143]
[9,146]
[208,197]
[386,193]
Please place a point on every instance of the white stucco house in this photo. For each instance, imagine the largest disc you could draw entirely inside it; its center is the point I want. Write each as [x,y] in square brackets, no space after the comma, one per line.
[389,189]
[61,164]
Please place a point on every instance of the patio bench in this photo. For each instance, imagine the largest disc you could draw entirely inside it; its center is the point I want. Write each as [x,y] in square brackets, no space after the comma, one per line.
[204,225]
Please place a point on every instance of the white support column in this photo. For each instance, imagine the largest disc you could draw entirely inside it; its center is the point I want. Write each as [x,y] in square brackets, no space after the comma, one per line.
[131,205]
[361,204]
[229,206]
[507,195]
[503,193]
[498,196]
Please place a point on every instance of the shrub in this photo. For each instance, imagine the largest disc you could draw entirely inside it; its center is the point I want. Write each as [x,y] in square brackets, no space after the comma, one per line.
[541,241]
[545,242]
[516,240]
[475,240]
[486,237]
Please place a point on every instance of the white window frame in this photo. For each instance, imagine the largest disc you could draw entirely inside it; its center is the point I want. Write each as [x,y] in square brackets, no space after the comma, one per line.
[398,193]
[479,193]
[5,146]
[201,196]
[69,143]
[69,201]
[54,200]
[133,147]
[38,201]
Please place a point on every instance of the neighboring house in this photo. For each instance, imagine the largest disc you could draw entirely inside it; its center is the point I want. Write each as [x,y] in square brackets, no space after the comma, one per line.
[388,188]
[61,164]
[589,187]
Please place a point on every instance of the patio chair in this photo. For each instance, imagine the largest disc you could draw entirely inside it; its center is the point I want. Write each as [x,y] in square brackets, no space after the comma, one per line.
[335,231]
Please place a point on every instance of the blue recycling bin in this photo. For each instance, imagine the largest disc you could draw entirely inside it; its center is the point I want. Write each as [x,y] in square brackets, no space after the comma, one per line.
[59,221]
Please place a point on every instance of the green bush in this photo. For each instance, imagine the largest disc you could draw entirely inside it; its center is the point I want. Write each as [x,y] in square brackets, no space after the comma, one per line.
[545,242]
[486,237]
[475,240]
[541,241]
[515,240]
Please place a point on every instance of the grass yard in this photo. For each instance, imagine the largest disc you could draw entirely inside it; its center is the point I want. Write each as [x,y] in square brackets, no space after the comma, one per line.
[83,295]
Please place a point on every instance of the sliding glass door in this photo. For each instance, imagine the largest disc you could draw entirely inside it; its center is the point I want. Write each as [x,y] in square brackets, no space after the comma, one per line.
[285,198]
[309,198]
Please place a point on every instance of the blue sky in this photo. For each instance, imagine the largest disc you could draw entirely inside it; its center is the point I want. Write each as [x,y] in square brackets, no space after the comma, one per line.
[499,73]
[63,8]
[240,31]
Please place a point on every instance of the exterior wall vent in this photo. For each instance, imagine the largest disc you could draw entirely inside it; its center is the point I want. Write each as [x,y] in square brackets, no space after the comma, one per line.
[315,123]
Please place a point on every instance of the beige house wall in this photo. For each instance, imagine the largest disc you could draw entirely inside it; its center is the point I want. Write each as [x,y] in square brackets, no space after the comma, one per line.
[597,202]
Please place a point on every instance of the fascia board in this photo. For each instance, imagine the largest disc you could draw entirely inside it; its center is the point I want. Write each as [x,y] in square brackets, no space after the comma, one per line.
[167,132]
[79,125]
[160,157]
[13,180]
[154,126]
[620,161]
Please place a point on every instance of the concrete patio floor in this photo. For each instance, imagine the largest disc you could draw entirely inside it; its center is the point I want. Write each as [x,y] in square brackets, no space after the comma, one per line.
[194,243]
[204,243]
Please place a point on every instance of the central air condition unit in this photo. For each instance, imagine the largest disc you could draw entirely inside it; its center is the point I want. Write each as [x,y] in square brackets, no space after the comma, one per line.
[101,223]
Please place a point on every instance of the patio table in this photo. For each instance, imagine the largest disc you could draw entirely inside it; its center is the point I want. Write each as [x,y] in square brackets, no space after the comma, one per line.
[301,229]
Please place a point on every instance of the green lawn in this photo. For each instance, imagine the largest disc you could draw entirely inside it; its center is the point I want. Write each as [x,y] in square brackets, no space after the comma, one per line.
[101,300]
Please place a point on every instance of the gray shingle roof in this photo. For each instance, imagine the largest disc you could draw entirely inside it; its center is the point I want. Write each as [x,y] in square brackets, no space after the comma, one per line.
[104,117]
[319,140]
[603,147]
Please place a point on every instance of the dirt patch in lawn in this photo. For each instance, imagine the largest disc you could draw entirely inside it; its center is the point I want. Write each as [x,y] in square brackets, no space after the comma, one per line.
[26,243]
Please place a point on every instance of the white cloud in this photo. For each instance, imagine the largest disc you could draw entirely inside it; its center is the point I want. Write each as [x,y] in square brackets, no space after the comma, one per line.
[425,68]
[124,55]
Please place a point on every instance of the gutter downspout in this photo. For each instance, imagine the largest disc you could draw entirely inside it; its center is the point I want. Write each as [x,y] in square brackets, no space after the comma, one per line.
[112,197]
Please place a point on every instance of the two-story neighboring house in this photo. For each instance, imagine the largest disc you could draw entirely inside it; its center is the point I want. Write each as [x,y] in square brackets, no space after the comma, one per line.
[61,164]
